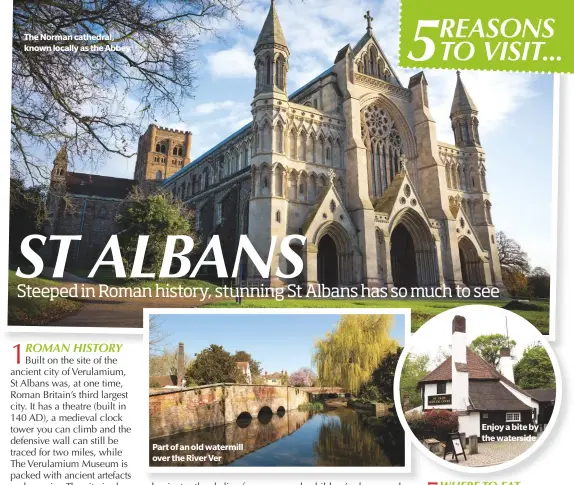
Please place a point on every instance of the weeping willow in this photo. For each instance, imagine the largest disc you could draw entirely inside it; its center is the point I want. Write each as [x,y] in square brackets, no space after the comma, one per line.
[349,355]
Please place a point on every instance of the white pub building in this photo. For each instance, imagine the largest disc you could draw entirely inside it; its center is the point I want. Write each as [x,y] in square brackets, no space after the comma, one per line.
[487,401]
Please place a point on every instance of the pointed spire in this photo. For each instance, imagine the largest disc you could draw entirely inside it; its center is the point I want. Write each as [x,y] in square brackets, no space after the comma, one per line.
[462,101]
[271,33]
[62,155]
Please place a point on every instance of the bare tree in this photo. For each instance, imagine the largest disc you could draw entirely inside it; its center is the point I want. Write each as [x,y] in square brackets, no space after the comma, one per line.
[512,257]
[91,72]
[157,336]
[165,363]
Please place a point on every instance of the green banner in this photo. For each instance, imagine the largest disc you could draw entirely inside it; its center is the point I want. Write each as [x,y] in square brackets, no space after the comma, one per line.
[501,35]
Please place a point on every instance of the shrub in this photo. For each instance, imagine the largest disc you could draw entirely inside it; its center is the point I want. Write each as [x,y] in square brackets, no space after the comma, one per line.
[434,424]
[311,406]
[370,393]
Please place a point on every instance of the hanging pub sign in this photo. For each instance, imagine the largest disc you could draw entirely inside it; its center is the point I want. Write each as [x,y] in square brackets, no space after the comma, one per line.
[440,399]
[454,447]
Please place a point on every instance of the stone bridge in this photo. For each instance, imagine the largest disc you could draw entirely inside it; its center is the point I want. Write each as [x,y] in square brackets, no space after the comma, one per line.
[178,410]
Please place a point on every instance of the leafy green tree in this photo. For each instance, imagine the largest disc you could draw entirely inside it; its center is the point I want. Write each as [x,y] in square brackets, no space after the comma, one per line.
[539,283]
[254,365]
[415,368]
[158,215]
[384,376]
[534,370]
[348,356]
[213,365]
[488,346]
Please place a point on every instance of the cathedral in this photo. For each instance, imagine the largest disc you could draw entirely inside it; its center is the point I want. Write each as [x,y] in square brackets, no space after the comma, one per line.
[350,161]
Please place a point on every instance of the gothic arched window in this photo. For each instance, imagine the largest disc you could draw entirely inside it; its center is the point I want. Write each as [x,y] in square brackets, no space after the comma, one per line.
[293,144]
[280,72]
[245,156]
[384,148]
[268,71]
[279,137]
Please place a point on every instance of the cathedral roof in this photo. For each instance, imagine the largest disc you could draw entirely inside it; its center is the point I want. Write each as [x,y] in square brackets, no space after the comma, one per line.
[271,33]
[386,202]
[98,185]
[462,100]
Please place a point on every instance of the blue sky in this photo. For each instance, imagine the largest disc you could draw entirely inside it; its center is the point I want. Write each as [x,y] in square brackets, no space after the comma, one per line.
[515,109]
[279,342]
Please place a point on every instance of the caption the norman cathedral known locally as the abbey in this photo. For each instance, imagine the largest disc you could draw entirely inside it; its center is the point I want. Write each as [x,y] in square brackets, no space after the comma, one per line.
[350,161]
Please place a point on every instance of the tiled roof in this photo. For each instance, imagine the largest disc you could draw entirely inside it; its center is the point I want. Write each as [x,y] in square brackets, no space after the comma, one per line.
[98,185]
[162,381]
[275,375]
[542,395]
[477,368]
[491,395]
[325,73]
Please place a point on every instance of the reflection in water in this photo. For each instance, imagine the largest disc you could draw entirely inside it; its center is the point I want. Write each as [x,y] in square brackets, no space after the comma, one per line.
[335,437]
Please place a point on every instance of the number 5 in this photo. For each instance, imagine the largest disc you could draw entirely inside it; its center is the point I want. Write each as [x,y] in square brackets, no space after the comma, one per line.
[429,44]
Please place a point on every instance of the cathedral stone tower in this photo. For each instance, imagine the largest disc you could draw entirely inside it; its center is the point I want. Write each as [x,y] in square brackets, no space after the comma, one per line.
[473,202]
[271,56]
[161,153]
[60,168]
[463,115]
[268,207]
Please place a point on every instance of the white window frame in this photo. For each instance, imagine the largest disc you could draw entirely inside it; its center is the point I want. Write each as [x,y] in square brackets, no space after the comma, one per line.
[513,417]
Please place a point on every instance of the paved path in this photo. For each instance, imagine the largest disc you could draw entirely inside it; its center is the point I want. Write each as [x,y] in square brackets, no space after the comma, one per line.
[120,312]
[494,453]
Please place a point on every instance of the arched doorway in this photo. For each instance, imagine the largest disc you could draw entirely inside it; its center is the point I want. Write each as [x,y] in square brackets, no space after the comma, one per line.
[413,252]
[327,262]
[403,258]
[471,266]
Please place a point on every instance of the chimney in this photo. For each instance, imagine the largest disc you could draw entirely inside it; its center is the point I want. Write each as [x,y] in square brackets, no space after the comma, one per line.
[505,364]
[180,364]
[460,390]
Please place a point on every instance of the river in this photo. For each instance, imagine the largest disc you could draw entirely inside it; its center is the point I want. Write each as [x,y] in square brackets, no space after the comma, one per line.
[333,437]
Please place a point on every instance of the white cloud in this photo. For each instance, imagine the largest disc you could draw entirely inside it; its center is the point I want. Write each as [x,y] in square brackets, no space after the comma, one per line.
[496,94]
[231,63]
[208,108]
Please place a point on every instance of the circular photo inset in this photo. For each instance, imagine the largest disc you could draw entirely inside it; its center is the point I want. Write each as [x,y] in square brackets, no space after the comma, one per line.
[479,388]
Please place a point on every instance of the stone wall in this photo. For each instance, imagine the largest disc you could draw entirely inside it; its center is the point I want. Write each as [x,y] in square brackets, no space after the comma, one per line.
[204,407]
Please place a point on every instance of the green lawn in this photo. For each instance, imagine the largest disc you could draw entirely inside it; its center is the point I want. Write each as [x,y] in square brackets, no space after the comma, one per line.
[537,313]
[36,311]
